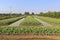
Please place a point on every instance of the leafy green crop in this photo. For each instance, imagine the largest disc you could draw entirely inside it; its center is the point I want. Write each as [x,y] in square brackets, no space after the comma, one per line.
[30,29]
[54,20]
[8,21]
[30,20]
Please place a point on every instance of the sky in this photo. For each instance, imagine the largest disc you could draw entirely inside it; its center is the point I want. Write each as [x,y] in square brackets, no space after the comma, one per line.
[36,6]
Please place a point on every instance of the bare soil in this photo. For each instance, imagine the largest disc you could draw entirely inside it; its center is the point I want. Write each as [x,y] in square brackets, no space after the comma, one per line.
[28,37]
[31,25]
[3,24]
[55,24]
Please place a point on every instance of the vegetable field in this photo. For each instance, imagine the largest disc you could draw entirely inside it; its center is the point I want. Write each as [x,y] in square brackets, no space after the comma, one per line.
[53,21]
[7,16]
[29,26]
[33,29]
[9,21]
[30,21]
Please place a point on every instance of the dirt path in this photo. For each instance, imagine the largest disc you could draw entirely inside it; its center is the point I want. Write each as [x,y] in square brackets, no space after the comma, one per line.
[17,23]
[43,23]
[25,37]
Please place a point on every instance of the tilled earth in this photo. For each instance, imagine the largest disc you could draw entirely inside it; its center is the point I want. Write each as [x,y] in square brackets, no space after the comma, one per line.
[28,37]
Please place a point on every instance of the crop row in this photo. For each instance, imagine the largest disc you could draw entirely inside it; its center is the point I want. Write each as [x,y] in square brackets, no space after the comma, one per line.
[53,20]
[9,21]
[7,16]
[30,20]
[32,29]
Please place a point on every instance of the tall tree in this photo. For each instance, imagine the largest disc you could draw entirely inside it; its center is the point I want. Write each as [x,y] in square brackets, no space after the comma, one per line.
[27,13]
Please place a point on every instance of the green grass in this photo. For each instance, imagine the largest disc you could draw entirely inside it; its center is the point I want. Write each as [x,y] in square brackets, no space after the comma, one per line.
[54,20]
[30,20]
[30,29]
